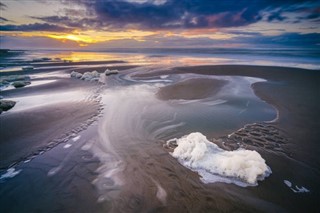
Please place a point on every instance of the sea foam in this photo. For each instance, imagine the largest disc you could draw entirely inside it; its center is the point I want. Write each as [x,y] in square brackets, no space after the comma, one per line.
[296,189]
[242,167]
[11,172]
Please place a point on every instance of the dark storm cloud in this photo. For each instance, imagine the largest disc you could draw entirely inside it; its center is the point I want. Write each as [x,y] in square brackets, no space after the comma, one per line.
[34,27]
[312,14]
[177,14]
[73,22]
[276,16]
[3,19]
[168,14]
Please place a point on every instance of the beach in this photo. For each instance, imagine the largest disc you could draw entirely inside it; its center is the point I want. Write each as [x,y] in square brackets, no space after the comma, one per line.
[101,146]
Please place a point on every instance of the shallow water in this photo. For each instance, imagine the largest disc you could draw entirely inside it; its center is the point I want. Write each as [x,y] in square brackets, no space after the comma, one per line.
[120,163]
[130,137]
[136,123]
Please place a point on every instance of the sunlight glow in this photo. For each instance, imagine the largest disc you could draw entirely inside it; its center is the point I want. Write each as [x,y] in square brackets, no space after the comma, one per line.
[76,38]
[85,38]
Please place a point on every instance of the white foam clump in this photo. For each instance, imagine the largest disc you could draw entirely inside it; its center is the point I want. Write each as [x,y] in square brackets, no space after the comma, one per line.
[66,146]
[87,76]
[76,138]
[11,172]
[75,74]
[296,189]
[195,152]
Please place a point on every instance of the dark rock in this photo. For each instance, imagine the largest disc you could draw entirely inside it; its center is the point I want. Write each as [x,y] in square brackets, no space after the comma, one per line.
[5,105]
[18,84]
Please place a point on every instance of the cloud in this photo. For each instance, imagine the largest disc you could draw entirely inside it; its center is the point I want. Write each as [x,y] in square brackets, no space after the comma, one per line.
[72,22]
[184,19]
[17,42]
[286,40]
[243,33]
[311,14]
[276,16]
[2,19]
[3,6]
[294,40]
[34,27]
[175,14]
[172,14]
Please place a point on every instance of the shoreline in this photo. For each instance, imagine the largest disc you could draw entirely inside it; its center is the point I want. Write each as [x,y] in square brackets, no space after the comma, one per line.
[271,73]
[292,91]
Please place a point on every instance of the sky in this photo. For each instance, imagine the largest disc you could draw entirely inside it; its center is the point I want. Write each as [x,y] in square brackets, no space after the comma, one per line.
[103,24]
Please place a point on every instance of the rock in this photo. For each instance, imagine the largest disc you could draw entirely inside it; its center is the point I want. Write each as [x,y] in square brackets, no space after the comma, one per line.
[11,78]
[5,105]
[110,72]
[18,84]
[41,59]
[27,68]
[6,80]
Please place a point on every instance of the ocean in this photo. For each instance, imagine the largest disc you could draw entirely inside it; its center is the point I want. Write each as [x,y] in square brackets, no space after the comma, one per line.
[299,58]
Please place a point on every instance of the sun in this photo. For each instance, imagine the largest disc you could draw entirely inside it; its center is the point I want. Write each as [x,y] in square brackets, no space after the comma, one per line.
[81,39]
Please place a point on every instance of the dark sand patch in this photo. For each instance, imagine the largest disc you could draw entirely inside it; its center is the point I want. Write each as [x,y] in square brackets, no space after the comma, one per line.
[70,189]
[184,192]
[191,89]
[25,132]
[298,105]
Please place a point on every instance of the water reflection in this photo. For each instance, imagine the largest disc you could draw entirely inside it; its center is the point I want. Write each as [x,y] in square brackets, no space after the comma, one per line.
[165,58]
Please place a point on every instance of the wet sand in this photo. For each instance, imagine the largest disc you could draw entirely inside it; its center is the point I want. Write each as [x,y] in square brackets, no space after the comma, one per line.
[31,131]
[293,92]
[155,181]
[30,126]
[291,145]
